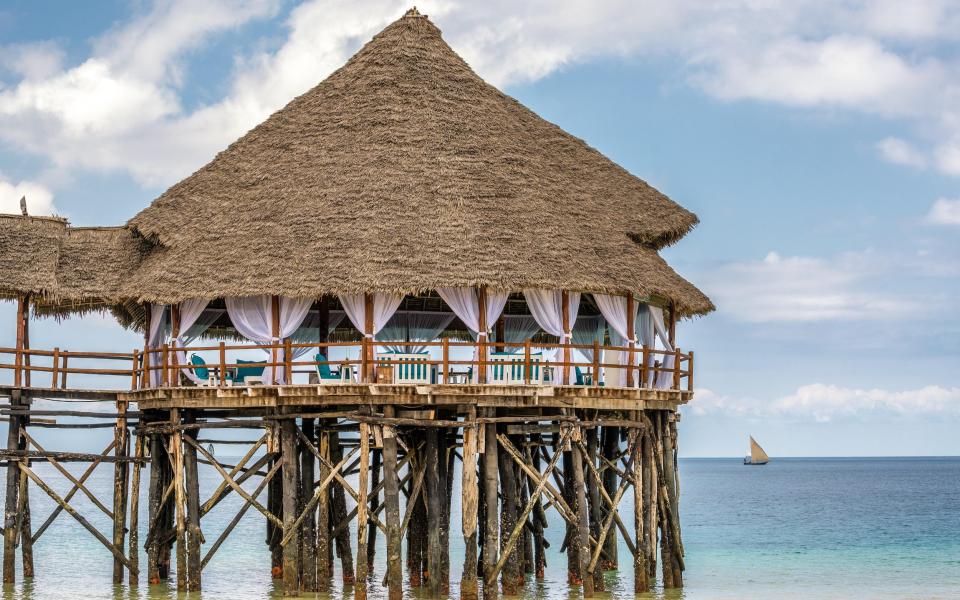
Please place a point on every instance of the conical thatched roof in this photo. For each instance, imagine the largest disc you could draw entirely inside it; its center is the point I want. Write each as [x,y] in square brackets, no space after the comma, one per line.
[405,171]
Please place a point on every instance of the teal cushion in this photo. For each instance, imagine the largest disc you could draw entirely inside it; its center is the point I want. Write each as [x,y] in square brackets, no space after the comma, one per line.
[244,372]
[323,371]
[580,379]
[199,366]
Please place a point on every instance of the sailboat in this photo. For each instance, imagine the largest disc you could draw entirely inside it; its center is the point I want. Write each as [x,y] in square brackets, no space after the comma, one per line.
[757,455]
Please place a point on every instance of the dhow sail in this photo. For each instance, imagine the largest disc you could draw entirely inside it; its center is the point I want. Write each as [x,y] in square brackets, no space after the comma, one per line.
[757,455]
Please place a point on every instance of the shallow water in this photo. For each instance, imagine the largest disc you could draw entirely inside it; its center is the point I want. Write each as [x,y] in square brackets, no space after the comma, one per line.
[796,528]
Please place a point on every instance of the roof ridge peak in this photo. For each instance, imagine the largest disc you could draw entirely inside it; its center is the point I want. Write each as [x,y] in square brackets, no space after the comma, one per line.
[413,13]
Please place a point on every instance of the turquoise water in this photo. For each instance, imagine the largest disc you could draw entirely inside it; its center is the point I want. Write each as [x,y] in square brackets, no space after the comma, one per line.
[796,528]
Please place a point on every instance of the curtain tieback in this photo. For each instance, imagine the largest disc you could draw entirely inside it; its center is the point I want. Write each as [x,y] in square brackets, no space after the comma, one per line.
[368,335]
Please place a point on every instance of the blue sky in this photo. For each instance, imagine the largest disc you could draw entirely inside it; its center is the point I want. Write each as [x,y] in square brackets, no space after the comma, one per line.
[819,144]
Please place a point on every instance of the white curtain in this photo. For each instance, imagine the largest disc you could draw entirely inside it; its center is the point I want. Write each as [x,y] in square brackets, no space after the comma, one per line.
[309,331]
[465,303]
[546,306]
[665,377]
[518,329]
[159,330]
[414,326]
[252,316]
[614,310]
[588,330]
[648,338]
[190,313]
[384,305]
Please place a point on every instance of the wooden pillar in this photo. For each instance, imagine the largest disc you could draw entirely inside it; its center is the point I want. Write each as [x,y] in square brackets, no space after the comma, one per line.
[672,512]
[539,516]
[174,376]
[194,535]
[134,546]
[447,445]
[593,497]
[370,348]
[434,512]
[120,489]
[491,525]
[641,580]
[651,485]
[672,324]
[582,539]
[631,344]
[12,495]
[468,505]
[288,460]
[482,334]
[376,464]
[155,506]
[275,333]
[417,528]
[324,550]
[26,530]
[308,550]
[338,512]
[180,501]
[391,499]
[510,575]
[501,333]
[609,449]
[275,505]
[363,508]
[566,339]
[20,358]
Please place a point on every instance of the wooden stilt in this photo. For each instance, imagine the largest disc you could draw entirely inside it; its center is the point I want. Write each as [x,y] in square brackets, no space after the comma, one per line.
[650,501]
[120,482]
[570,497]
[526,540]
[609,448]
[582,539]
[308,549]
[275,506]
[491,525]
[26,539]
[290,491]
[539,518]
[641,580]
[180,501]
[324,553]
[510,575]
[13,489]
[593,496]
[417,529]
[391,499]
[363,480]
[376,464]
[338,513]
[155,490]
[673,509]
[434,513]
[194,535]
[447,444]
[134,539]
[468,505]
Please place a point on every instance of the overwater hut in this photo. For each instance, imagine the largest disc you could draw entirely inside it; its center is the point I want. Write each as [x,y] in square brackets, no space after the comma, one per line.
[402,267]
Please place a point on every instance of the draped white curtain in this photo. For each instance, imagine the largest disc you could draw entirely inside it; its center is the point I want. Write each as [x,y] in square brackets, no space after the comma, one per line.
[546,306]
[664,378]
[588,330]
[465,303]
[614,310]
[648,338]
[309,331]
[190,313]
[159,330]
[384,305]
[252,316]
[518,329]
[414,326]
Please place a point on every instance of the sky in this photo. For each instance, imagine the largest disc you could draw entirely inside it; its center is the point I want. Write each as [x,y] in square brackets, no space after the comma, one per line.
[819,143]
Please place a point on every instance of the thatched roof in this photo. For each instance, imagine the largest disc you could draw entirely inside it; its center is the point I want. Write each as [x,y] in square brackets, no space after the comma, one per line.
[405,171]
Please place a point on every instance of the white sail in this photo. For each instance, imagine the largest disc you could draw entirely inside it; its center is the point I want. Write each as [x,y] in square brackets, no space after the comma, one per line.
[757,454]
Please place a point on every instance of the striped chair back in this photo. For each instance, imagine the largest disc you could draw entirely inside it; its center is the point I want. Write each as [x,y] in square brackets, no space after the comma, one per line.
[508,368]
[407,368]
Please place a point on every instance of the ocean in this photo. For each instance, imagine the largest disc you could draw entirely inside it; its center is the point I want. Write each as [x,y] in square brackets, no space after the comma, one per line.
[834,528]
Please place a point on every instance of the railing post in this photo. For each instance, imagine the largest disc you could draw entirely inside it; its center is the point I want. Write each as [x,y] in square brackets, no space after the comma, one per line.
[55,376]
[446,360]
[223,364]
[690,371]
[64,370]
[165,353]
[133,369]
[526,360]
[364,360]
[644,366]
[631,336]
[676,368]
[287,363]
[596,363]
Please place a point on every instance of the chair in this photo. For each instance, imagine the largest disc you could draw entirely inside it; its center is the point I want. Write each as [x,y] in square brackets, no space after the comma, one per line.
[253,372]
[511,371]
[408,367]
[205,374]
[326,375]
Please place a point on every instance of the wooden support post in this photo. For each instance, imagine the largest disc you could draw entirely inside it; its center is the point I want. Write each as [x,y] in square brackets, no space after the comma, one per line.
[468,505]
[570,498]
[338,512]
[376,460]
[641,580]
[650,499]
[26,539]
[19,359]
[593,497]
[194,535]
[526,539]
[134,544]
[369,353]
[510,579]
[539,517]
[567,337]
[582,539]
[155,507]
[147,356]
[324,554]
[363,509]
[275,332]
[174,356]
[391,499]
[491,525]
[447,439]
[13,489]
[308,550]
[631,344]
[482,334]
[120,487]
[609,450]
[290,490]
[434,513]
[673,509]
[180,501]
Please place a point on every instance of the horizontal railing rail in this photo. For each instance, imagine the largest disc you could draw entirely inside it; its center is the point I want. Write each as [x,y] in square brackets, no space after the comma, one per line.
[368,361]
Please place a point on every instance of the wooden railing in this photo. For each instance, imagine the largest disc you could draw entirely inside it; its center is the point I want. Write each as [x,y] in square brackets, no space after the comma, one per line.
[644,367]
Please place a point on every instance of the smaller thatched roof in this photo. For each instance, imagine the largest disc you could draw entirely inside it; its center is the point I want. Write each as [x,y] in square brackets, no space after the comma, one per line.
[29,247]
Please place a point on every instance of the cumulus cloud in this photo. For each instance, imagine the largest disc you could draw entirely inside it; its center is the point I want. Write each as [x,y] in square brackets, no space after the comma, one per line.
[945,211]
[122,107]
[801,289]
[39,198]
[821,403]
[901,152]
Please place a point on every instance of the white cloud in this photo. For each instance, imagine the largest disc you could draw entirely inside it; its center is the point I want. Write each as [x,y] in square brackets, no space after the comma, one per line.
[901,152]
[121,108]
[800,289]
[820,402]
[32,61]
[945,211]
[39,198]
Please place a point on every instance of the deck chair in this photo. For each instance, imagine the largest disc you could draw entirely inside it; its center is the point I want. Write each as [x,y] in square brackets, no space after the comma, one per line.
[207,376]
[326,375]
[508,368]
[415,367]
[244,372]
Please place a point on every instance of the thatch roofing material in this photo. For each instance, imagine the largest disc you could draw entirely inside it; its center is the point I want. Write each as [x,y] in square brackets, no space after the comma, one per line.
[29,248]
[404,171]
